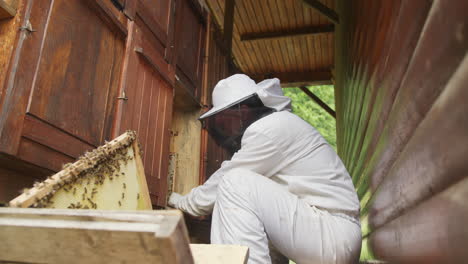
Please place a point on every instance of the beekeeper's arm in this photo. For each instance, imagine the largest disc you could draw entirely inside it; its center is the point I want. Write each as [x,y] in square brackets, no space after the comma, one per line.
[258,153]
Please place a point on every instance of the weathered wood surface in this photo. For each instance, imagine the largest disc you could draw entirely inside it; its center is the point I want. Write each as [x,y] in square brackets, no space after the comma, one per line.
[213,254]
[185,148]
[110,177]
[55,102]
[77,236]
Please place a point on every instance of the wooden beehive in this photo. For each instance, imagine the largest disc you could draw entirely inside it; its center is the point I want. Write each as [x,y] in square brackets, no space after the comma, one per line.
[110,177]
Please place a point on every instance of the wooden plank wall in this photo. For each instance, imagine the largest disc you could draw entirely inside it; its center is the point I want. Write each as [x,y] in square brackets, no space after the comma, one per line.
[401,77]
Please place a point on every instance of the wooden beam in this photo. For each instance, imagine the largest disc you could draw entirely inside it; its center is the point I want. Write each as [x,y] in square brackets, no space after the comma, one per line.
[324,10]
[288,33]
[228,24]
[296,79]
[8,8]
[318,101]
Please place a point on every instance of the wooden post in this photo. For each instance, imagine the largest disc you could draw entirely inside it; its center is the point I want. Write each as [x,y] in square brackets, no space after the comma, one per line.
[318,101]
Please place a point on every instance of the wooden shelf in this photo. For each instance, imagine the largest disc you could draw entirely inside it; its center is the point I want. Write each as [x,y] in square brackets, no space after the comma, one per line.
[7,8]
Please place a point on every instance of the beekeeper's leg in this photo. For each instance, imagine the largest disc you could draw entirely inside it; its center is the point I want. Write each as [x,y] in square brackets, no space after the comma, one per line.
[250,209]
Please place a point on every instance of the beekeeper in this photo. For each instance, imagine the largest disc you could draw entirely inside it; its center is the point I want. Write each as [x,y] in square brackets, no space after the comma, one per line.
[284,182]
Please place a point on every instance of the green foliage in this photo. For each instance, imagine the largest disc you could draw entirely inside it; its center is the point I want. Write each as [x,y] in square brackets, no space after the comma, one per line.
[307,109]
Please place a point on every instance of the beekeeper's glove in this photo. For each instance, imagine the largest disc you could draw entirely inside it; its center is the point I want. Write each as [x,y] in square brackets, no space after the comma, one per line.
[174,199]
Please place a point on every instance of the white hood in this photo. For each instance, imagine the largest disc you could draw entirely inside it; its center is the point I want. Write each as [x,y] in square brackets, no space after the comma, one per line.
[271,94]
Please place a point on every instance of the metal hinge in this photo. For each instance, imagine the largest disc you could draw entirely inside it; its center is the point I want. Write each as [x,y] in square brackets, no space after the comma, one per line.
[28,27]
[123,96]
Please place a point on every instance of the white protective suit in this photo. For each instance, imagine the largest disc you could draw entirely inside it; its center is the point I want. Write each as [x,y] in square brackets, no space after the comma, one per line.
[286,185]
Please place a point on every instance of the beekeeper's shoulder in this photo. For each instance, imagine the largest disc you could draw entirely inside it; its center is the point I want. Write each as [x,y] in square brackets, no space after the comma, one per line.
[274,124]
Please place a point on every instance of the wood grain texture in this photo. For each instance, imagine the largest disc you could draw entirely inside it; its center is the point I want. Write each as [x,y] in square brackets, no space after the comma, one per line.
[93,236]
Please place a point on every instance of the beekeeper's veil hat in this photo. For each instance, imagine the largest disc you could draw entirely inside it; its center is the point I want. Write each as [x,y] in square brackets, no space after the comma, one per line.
[239,87]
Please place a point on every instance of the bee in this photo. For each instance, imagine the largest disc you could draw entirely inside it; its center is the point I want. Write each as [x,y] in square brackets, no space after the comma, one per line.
[124,185]
[120,204]
[123,195]
[138,196]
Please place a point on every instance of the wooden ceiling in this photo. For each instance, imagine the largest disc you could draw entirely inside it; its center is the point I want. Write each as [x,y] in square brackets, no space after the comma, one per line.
[287,39]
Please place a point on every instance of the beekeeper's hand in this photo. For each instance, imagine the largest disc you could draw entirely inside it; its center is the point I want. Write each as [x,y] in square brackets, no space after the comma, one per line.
[174,199]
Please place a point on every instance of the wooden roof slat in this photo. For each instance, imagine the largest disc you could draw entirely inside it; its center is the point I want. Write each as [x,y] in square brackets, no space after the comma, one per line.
[264,22]
[242,25]
[282,44]
[287,30]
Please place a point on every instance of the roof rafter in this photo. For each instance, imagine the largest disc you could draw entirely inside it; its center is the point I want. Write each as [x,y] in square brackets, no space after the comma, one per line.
[295,79]
[229,7]
[288,32]
[324,10]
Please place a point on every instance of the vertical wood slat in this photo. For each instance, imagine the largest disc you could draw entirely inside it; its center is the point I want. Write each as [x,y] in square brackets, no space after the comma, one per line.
[395,115]
[148,110]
